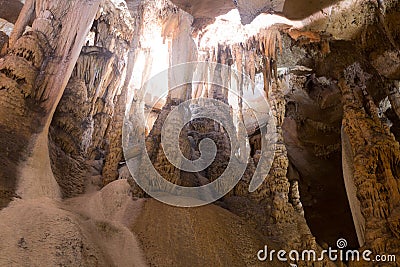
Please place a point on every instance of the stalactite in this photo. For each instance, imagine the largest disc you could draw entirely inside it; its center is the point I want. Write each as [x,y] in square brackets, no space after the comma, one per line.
[258,52]
[96,85]
[268,46]
[252,62]
[266,76]
[204,56]
[225,58]
[213,59]
[182,49]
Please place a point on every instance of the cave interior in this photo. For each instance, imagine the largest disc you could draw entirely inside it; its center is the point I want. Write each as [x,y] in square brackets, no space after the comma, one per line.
[81,81]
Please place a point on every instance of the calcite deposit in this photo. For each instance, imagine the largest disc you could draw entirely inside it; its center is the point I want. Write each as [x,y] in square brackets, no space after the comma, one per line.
[312,85]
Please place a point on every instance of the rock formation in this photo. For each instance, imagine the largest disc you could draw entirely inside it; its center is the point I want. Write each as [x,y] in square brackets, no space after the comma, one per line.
[318,80]
[34,74]
[375,161]
[94,132]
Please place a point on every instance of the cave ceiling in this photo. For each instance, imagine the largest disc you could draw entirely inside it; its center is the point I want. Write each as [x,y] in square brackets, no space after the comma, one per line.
[291,9]
[12,11]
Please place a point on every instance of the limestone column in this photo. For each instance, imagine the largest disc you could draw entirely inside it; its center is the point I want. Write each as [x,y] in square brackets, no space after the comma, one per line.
[33,76]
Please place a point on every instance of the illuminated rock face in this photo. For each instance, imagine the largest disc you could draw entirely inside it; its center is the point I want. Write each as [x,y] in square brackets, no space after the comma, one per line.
[331,80]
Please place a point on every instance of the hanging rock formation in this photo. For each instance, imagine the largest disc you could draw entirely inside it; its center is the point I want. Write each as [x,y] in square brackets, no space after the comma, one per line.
[92,135]
[71,71]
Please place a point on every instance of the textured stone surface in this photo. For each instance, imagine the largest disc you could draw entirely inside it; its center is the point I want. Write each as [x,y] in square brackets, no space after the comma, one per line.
[325,106]
[32,83]
[249,10]
[10,10]
[375,161]
[93,132]
[202,245]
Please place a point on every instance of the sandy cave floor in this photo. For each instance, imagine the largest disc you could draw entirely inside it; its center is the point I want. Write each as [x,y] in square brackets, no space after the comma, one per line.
[110,228]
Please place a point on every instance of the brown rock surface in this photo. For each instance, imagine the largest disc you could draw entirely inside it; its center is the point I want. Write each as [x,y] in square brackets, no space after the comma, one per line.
[205,236]
[375,163]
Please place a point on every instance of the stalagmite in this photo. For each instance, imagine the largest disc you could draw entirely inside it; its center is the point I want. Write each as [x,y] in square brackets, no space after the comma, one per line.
[375,157]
